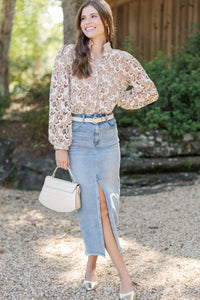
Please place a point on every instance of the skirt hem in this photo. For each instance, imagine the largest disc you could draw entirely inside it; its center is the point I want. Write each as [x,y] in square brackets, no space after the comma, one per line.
[95,254]
[100,254]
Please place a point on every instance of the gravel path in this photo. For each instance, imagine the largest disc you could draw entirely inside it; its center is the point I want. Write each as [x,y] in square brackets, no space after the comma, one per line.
[42,252]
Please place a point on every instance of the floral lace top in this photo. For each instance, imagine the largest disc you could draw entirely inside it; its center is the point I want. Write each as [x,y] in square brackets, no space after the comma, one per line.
[100,93]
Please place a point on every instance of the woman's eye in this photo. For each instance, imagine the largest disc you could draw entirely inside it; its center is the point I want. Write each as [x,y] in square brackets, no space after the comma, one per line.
[93,16]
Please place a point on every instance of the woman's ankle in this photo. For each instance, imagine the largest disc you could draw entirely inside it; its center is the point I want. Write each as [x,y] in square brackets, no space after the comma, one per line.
[126,286]
[90,275]
[91,268]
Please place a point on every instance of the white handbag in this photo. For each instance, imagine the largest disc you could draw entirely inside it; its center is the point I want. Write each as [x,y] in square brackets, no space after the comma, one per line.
[60,195]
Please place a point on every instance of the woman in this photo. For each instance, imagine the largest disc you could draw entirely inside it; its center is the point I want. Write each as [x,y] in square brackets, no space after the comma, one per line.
[89,79]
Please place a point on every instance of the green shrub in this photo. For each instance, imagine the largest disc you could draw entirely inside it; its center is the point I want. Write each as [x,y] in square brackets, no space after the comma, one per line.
[39,92]
[178,109]
[37,117]
[37,120]
[4,103]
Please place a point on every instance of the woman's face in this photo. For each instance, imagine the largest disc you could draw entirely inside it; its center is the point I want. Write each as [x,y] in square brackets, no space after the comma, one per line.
[91,23]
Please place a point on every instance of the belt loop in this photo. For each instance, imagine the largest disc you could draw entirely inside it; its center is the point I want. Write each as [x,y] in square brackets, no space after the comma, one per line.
[106,118]
[83,118]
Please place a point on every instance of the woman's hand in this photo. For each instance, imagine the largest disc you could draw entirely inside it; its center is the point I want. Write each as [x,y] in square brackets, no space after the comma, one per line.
[62,159]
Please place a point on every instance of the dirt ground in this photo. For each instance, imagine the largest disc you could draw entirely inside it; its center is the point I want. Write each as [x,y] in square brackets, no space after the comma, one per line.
[42,252]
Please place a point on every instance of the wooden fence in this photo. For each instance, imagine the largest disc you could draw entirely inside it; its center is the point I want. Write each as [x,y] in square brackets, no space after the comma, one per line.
[155,24]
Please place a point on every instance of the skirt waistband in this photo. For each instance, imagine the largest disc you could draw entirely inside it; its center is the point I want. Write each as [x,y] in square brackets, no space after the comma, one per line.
[92,118]
[99,115]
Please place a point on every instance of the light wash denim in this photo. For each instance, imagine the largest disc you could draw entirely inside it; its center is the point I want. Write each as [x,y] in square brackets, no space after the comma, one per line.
[95,159]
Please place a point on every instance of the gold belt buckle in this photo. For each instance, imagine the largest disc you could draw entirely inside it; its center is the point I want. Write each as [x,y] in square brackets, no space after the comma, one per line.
[94,120]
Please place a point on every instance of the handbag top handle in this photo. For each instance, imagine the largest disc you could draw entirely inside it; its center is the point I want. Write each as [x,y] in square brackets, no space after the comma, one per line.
[70,173]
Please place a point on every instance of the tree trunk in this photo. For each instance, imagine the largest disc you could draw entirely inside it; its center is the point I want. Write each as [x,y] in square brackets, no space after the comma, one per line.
[70,8]
[7,16]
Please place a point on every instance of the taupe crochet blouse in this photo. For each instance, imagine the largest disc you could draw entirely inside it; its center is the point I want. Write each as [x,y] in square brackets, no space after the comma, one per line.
[100,93]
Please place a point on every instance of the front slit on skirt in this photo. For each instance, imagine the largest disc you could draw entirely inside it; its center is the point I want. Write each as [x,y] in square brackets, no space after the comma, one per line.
[95,159]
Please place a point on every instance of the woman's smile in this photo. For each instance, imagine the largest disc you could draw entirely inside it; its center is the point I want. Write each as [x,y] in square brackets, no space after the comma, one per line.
[90,28]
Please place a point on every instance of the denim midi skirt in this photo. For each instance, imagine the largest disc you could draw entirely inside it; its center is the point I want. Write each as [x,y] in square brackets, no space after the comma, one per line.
[95,159]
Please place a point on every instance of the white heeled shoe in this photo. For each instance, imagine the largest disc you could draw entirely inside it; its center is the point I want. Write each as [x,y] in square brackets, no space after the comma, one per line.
[89,285]
[128,296]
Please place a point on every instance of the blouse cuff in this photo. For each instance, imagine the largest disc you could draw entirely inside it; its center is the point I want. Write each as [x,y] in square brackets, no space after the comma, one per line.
[61,148]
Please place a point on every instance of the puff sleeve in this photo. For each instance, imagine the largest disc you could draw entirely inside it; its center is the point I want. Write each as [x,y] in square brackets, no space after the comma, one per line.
[142,90]
[60,131]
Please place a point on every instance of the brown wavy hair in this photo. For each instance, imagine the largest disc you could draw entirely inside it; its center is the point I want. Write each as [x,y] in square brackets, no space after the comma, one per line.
[81,66]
